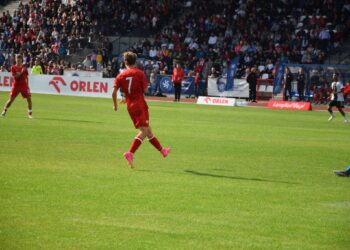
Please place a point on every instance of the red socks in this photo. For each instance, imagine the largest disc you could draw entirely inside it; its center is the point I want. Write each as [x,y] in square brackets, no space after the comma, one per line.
[135,144]
[154,141]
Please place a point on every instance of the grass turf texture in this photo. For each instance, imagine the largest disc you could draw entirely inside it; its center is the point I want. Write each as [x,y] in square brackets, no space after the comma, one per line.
[237,178]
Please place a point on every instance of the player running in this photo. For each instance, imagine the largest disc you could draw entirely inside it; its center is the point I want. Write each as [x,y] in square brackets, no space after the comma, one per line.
[20,73]
[337,98]
[133,83]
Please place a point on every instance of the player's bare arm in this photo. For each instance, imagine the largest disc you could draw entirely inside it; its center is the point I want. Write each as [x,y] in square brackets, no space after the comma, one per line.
[24,70]
[114,97]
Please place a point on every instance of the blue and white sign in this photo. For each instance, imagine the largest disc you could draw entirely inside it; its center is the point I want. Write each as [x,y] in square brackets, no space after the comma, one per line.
[164,83]
[187,85]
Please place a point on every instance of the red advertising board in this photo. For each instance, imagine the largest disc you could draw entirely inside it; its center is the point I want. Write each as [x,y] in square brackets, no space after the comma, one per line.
[289,105]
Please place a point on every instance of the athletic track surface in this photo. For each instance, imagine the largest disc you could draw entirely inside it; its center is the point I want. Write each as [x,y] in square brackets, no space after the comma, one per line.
[262,104]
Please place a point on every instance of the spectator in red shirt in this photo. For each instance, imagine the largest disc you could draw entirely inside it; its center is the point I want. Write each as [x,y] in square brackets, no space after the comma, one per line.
[20,73]
[177,77]
[133,83]
[347,92]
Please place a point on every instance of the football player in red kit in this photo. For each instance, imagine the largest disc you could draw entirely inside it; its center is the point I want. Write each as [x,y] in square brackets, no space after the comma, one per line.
[20,73]
[134,85]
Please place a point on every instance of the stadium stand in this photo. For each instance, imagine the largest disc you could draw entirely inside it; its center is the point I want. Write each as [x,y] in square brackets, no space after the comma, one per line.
[209,34]
[200,34]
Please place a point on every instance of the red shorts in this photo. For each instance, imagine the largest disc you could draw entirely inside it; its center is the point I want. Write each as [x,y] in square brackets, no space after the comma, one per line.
[139,117]
[25,91]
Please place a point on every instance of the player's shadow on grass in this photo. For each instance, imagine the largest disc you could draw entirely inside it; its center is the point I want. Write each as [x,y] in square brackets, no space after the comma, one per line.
[235,177]
[66,120]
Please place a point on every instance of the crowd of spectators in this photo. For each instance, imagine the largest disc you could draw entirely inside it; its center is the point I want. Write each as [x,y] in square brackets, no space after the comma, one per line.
[211,33]
[53,29]
[203,35]
[125,16]
[49,30]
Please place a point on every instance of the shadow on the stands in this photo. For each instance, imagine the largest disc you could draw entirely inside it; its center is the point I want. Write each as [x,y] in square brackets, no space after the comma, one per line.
[66,120]
[235,177]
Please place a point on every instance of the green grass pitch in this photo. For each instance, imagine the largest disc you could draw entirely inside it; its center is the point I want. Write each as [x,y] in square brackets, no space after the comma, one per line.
[237,178]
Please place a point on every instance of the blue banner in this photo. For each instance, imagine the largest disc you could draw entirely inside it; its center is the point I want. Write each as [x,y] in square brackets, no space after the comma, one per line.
[163,85]
[231,72]
[277,83]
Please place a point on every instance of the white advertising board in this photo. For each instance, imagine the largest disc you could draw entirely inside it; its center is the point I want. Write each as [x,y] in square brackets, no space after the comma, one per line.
[218,101]
[216,87]
[64,85]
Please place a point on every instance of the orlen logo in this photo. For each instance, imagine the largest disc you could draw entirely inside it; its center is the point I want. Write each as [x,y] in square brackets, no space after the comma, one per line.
[79,85]
[56,81]
[207,100]
[216,100]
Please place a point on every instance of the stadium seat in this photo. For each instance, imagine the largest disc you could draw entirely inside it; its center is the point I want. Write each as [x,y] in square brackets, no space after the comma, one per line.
[269,88]
[262,88]
[308,95]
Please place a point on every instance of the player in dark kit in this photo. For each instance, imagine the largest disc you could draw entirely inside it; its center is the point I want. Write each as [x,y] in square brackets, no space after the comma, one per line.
[20,73]
[133,83]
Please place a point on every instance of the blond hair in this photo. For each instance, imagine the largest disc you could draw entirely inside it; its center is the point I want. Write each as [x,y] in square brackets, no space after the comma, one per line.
[129,58]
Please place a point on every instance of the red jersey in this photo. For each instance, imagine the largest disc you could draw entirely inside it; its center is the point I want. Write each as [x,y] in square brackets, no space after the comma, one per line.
[178,75]
[132,82]
[346,89]
[22,81]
